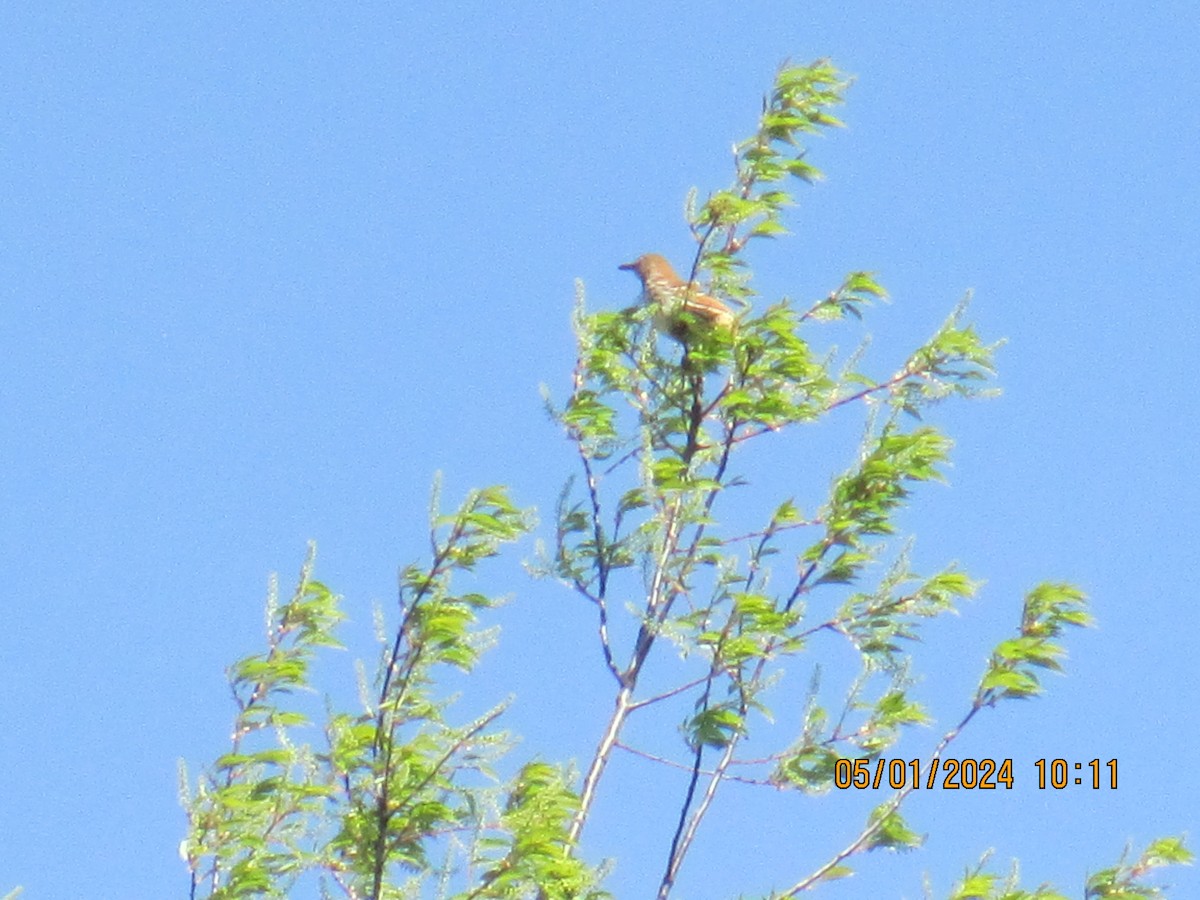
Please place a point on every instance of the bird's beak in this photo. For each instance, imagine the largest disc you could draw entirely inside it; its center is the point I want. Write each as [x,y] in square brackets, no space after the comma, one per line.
[628,267]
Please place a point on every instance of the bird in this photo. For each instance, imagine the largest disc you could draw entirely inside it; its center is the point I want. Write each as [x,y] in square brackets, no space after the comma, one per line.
[680,307]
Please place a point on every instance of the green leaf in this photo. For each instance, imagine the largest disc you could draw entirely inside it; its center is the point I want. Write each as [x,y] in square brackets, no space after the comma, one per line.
[893,833]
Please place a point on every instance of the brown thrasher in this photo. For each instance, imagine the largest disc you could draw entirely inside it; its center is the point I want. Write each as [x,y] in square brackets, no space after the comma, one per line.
[679,306]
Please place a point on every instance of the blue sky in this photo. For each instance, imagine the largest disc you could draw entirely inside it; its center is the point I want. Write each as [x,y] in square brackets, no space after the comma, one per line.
[267,268]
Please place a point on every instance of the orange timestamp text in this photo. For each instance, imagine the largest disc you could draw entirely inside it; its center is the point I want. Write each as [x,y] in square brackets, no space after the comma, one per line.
[966,774]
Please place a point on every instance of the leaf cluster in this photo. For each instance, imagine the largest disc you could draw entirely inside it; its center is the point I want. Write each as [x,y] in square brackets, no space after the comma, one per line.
[395,795]
[1124,881]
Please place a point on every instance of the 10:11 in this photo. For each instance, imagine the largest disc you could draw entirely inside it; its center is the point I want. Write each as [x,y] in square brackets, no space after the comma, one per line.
[1060,773]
